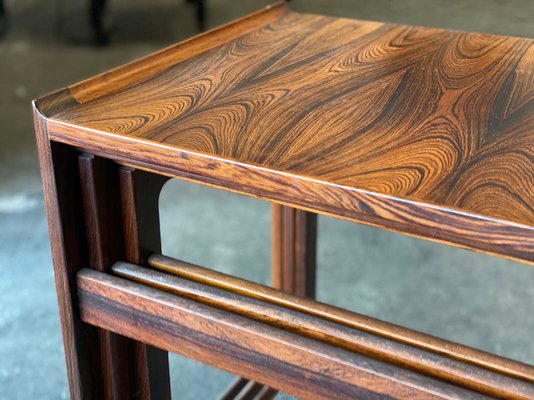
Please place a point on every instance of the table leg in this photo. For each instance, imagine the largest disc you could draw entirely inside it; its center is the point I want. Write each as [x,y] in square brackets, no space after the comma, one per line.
[82,201]
[63,201]
[108,241]
[294,250]
[101,202]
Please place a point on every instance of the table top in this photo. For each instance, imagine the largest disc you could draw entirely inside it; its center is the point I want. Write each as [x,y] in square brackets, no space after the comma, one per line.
[424,131]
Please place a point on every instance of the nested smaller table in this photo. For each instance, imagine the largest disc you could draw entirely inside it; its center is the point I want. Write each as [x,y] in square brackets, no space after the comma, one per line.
[422,131]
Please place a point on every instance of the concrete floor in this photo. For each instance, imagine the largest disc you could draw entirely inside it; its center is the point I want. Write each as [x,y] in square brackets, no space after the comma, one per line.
[455,294]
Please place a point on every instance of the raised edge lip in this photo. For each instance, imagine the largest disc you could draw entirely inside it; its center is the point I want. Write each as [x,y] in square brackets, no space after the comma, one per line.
[279,5]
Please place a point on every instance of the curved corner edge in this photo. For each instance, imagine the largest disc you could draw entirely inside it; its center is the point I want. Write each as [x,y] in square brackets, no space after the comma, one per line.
[54,103]
[37,112]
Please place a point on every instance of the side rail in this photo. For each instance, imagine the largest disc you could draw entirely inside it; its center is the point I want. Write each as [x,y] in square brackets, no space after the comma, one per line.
[299,346]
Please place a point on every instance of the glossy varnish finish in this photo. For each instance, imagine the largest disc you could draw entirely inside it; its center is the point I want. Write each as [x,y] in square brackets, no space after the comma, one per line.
[288,361]
[395,333]
[83,209]
[63,201]
[294,247]
[412,357]
[422,131]
[99,184]
[425,131]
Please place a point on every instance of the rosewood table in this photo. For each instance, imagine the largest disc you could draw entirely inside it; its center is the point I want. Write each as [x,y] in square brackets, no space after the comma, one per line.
[421,131]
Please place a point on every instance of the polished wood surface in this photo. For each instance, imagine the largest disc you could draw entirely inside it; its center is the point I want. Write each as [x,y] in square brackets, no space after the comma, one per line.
[63,202]
[432,364]
[422,131]
[99,184]
[425,131]
[294,244]
[339,316]
[287,361]
[83,208]
[294,269]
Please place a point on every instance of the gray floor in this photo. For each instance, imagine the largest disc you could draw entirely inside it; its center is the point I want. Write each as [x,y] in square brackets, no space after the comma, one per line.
[451,293]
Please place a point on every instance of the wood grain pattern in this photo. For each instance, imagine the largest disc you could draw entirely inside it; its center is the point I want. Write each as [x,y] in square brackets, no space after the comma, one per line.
[294,242]
[425,131]
[64,209]
[384,349]
[100,191]
[294,267]
[289,362]
[343,317]
[422,131]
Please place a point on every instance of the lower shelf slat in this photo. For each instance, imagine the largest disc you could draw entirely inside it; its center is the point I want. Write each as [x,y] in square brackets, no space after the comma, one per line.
[382,348]
[431,345]
[243,389]
[289,362]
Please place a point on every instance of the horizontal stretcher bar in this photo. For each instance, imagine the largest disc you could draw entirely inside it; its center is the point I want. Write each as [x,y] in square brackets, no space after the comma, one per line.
[351,319]
[283,340]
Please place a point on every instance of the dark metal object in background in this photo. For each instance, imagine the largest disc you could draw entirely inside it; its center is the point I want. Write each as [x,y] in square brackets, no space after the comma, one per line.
[101,32]
[97,9]
[96,12]
[3,18]
[200,14]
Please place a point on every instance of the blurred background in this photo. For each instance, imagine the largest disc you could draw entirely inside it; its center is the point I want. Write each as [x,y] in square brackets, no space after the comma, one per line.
[455,294]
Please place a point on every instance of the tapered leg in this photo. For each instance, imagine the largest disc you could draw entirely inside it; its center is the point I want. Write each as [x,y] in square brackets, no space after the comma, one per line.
[140,215]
